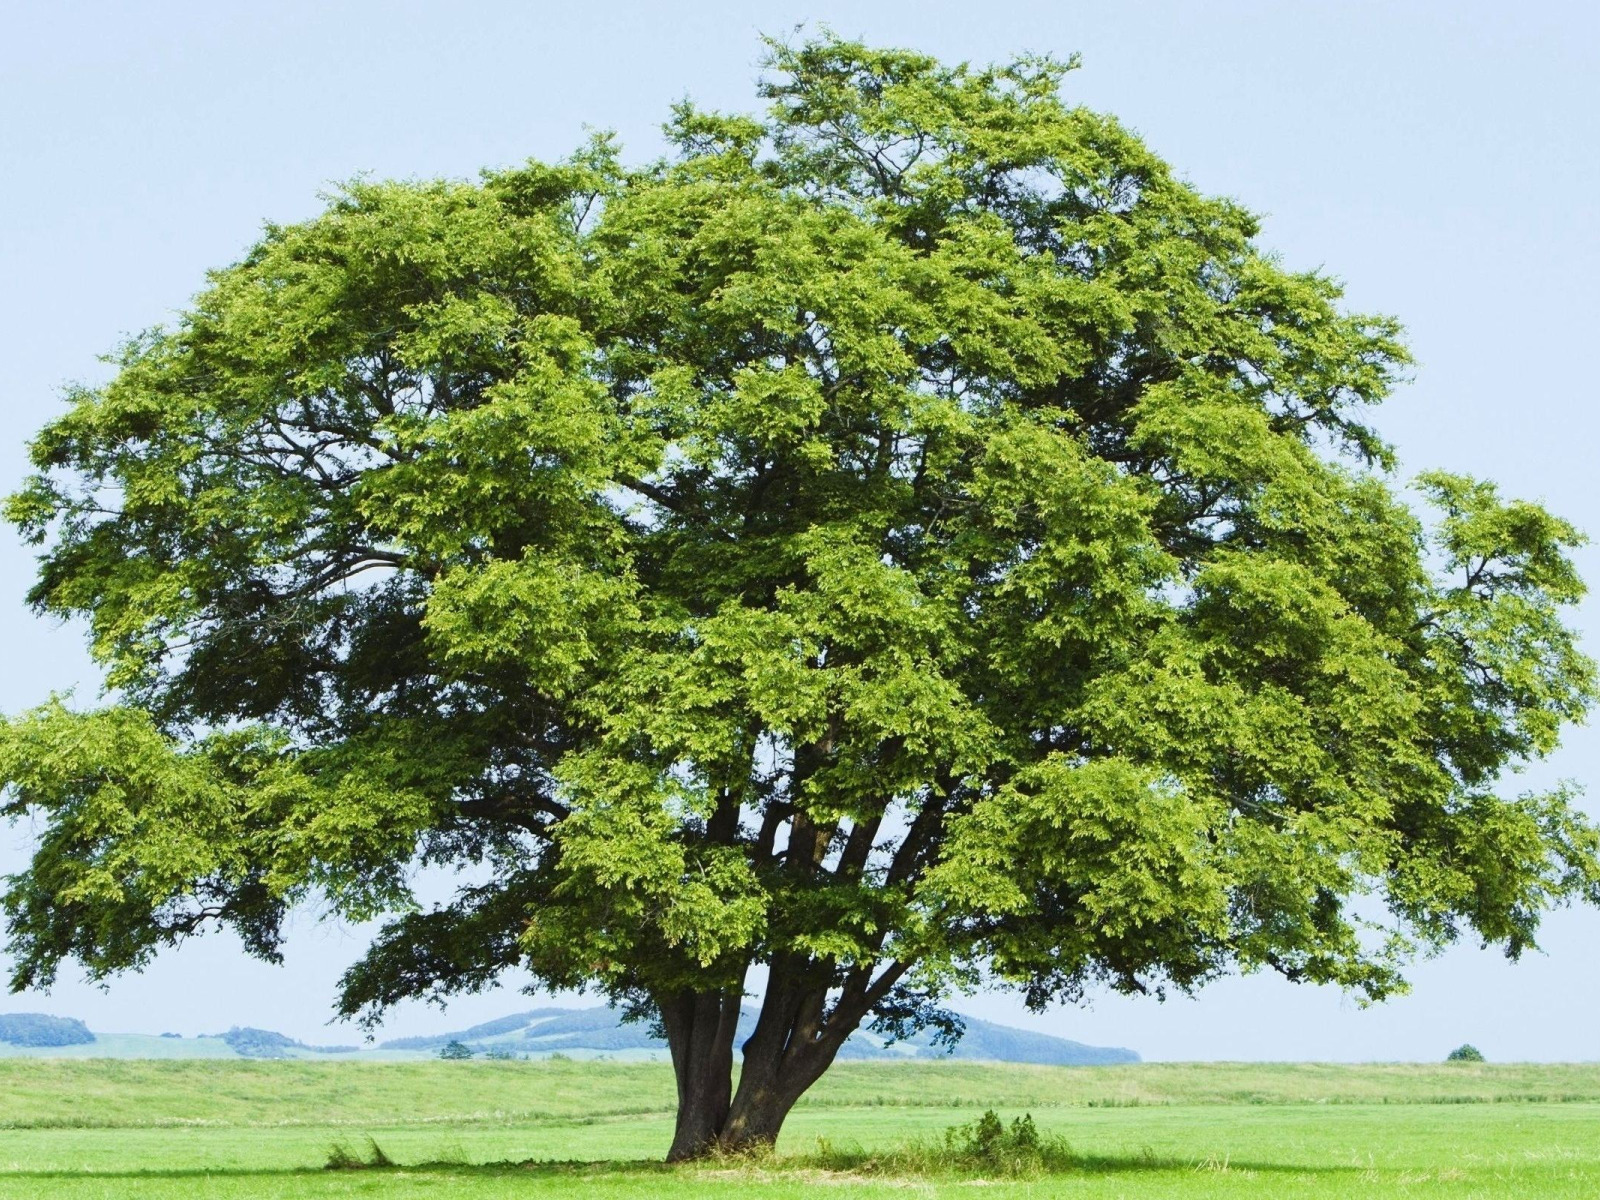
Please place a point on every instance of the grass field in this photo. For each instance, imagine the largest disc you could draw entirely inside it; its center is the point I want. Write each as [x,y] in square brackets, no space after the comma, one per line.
[180,1129]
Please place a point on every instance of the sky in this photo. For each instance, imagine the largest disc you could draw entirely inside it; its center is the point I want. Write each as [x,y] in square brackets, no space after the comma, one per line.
[1438,158]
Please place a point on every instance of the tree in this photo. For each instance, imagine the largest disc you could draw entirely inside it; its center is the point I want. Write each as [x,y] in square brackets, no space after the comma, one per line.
[905,542]
[1466,1052]
[37,1029]
[455,1051]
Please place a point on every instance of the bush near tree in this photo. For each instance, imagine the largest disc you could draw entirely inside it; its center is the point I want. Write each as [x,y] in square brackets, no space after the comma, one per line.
[903,541]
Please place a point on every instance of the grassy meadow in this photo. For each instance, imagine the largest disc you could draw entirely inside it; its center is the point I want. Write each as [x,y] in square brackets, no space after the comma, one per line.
[224,1129]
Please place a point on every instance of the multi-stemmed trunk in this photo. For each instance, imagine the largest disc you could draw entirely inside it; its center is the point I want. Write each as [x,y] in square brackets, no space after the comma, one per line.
[796,1037]
[797,1033]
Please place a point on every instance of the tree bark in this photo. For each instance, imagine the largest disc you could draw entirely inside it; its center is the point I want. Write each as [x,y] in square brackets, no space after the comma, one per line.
[794,1042]
[774,1075]
[796,1038]
[790,1049]
[700,1027]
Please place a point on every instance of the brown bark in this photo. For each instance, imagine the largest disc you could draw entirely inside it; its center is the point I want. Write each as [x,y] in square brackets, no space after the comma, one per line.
[790,1049]
[796,1039]
[700,1029]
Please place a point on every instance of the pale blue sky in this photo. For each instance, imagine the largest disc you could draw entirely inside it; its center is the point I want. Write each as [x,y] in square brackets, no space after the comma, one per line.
[1439,157]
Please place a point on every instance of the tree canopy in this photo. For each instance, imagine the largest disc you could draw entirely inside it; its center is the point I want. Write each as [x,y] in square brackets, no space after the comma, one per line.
[906,541]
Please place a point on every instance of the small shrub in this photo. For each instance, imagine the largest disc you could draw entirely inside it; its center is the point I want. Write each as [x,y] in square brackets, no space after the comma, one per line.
[976,1139]
[1466,1052]
[984,1147]
[989,1144]
[455,1051]
[1024,1133]
[342,1158]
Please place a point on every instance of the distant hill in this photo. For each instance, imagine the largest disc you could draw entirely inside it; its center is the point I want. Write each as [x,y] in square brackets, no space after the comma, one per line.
[578,1032]
[590,1030]
[999,1043]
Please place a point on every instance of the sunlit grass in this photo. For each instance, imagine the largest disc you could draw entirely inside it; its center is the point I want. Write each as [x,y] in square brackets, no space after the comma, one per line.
[225,1130]
[120,1093]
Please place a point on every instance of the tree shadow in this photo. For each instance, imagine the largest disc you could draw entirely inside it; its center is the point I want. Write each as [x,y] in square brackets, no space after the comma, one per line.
[863,1165]
[443,1168]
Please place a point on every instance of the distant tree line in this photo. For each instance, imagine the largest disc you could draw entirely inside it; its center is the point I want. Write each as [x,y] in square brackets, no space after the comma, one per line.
[37,1029]
[267,1043]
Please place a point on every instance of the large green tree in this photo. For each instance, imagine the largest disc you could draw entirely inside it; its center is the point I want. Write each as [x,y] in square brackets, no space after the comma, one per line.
[904,542]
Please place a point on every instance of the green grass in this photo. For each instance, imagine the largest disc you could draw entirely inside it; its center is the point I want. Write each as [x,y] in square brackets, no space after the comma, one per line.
[108,1128]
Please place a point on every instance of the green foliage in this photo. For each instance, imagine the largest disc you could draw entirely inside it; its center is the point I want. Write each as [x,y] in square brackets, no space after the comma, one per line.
[1466,1052]
[988,1144]
[907,538]
[455,1051]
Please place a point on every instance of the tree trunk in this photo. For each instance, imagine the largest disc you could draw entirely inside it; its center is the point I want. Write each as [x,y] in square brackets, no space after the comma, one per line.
[788,1052]
[700,1027]
[758,1111]
[795,1040]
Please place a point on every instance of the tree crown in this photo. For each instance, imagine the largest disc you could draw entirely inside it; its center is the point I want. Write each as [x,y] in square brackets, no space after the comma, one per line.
[904,539]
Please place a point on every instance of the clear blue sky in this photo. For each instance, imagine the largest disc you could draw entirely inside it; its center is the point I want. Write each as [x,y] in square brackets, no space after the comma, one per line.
[1440,158]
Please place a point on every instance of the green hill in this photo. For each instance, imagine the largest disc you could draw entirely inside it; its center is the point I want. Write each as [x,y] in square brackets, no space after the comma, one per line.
[602,1030]
[537,1033]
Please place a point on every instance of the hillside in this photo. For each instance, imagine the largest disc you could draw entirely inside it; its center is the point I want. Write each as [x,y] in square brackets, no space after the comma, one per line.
[537,1033]
[567,1030]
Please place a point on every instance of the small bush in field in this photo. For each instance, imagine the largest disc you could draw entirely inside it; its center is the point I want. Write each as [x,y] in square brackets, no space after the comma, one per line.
[1465,1052]
[986,1146]
[342,1158]
[988,1143]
